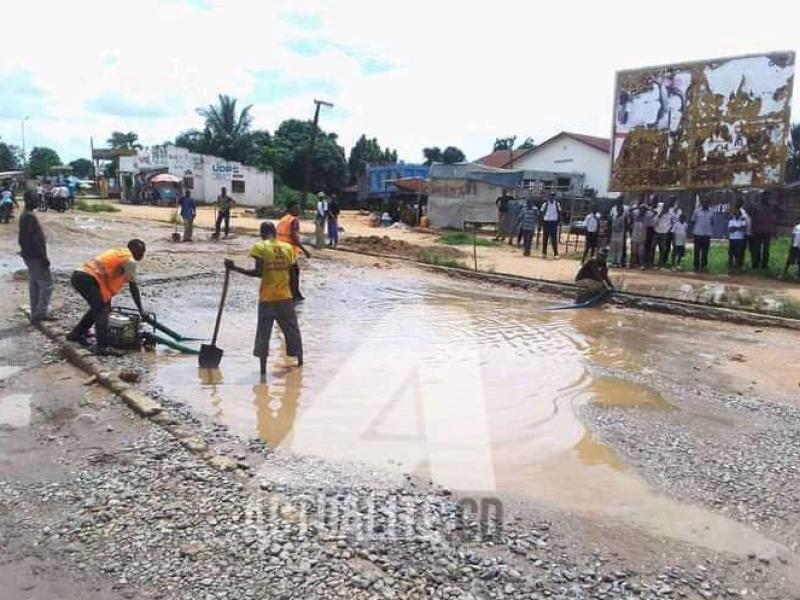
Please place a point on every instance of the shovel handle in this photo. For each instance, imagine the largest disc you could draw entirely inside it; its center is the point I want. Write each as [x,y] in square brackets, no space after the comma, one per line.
[221,306]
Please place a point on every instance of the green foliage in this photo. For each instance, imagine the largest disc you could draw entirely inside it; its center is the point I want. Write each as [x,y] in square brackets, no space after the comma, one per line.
[41,160]
[124,141]
[432,258]
[462,238]
[82,168]
[432,155]
[528,144]
[368,151]
[287,152]
[452,155]
[506,143]
[227,130]
[284,196]
[10,157]
[718,258]
[95,207]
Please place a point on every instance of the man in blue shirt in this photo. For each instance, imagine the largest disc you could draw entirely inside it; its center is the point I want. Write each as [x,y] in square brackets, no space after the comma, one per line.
[188,214]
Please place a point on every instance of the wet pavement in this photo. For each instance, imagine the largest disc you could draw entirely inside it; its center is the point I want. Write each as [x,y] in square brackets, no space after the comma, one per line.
[476,391]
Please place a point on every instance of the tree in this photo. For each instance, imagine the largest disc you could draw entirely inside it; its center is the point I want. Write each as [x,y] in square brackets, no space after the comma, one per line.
[82,168]
[41,160]
[432,155]
[10,157]
[528,144]
[286,154]
[227,131]
[368,151]
[793,167]
[452,155]
[506,143]
[124,141]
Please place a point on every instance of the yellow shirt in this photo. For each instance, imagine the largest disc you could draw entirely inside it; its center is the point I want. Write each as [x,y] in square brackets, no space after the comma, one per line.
[276,258]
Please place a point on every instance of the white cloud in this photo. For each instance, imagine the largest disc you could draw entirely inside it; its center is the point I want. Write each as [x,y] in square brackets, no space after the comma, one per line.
[433,73]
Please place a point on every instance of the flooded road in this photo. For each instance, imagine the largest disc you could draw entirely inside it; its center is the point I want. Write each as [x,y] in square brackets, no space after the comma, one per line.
[476,390]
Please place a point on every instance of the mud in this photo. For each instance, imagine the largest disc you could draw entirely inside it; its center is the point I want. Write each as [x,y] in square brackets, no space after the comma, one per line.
[401,248]
[477,389]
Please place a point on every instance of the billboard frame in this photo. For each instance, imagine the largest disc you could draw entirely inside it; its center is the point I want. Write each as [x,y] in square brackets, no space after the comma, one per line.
[693,63]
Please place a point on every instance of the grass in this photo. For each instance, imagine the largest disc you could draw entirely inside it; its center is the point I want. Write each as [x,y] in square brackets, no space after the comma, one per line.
[462,238]
[432,258]
[95,207]
[718,258]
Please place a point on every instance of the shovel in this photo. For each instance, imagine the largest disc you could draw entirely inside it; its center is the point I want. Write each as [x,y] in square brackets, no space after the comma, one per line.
[210,356]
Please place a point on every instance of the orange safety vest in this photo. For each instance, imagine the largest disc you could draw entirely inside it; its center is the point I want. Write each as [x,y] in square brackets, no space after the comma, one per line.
[285,231]
[108,270]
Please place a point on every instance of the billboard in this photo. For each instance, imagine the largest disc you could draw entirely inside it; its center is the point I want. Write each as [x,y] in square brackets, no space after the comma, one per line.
[719,123]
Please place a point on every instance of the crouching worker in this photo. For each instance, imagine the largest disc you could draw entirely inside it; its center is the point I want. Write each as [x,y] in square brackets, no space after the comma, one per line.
[592,278]
[273,263]
[98,281]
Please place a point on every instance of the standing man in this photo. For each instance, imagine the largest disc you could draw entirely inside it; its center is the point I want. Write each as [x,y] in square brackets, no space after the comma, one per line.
[551,215]
[224,205]
[273,262]
[675,212]
[702,219]
[188,214]
[737,228]
[618,225]
[333,222]
[764,219]
[527,225]
[33,246]
[98,281]
[289,233]
[591,227]
[662,228]
[502,214]
[320,219]
[650,229]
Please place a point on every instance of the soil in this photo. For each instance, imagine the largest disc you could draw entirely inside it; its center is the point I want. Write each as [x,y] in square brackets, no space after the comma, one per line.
[401,248]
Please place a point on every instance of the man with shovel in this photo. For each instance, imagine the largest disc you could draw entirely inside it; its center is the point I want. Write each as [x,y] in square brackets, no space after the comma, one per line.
[273,263]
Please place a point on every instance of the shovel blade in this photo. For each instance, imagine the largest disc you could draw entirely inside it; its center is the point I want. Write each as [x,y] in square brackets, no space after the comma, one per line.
[210,356]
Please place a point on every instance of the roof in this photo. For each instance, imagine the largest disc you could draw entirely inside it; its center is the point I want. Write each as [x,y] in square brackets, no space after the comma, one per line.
[500,159]
[600,143]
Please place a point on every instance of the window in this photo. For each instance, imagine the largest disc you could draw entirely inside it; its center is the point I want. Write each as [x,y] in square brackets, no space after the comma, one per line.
[188,183]
[237,186]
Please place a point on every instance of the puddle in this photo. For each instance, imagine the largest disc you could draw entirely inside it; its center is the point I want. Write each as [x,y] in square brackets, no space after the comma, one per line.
[617,393]
[478,392]
[6,372]
[15,410]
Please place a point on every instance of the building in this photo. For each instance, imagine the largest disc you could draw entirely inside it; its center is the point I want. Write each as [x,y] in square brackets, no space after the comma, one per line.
[466,193]
[556,162]
[204,175]
[377,182]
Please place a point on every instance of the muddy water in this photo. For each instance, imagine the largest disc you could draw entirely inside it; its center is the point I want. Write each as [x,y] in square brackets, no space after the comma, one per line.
[478,392]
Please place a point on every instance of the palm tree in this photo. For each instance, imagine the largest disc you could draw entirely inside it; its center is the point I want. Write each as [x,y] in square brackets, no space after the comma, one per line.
[226,130]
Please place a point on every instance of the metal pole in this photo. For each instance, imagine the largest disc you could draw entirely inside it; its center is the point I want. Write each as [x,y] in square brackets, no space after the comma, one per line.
[475,244]
[310,154]
[24,156]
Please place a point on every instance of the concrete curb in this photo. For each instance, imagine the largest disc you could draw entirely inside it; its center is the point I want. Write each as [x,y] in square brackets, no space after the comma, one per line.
[671,306]
[142,404]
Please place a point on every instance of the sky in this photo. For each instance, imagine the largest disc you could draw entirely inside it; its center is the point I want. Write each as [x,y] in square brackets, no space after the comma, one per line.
[413,74]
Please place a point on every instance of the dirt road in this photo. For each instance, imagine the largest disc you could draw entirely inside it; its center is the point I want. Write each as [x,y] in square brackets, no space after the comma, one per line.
[633,455]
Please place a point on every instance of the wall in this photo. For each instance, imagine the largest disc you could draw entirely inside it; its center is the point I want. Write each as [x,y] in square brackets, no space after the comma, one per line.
[568,155]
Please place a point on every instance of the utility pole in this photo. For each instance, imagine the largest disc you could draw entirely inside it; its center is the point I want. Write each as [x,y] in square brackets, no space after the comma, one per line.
[24,156]
[310,154]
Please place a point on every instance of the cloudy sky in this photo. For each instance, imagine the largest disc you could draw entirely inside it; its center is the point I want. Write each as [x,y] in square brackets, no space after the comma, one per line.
[412,73]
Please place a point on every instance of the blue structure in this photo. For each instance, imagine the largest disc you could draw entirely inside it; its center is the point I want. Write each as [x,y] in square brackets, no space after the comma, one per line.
[377,175]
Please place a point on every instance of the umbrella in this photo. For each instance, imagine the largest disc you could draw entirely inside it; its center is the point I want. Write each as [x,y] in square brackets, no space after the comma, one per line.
[165,178]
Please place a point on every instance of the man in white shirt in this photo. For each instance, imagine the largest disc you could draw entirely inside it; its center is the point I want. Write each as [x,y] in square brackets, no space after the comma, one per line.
[662,227]
[591,226]
[702,220]
[737,230]
[551,216]
[794,252]
[320,218]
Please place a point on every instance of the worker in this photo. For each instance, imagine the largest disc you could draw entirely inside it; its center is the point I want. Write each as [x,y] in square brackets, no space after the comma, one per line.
[320,219]
[224,205]
[592,277]
[98,281]
[33,249]
[289,233]
[273,262]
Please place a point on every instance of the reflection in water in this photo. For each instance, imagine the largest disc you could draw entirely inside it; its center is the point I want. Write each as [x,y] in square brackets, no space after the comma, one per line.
[276,407]
[478,391]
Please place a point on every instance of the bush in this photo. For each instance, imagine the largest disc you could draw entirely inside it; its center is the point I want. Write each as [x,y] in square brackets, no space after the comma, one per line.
[462,238]
[284,196]
[95,207]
